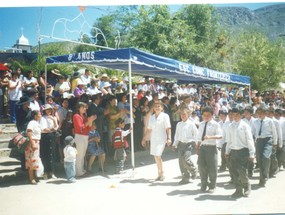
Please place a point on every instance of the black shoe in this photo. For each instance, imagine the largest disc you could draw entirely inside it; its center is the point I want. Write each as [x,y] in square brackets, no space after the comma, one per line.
[183,181]
[211,190]
[203,188]
[261,183]
[237,194]
[246,191]
[231,181]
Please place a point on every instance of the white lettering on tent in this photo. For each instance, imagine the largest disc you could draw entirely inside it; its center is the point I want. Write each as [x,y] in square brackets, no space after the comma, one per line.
[218,75]
[198,70]
[70,57]
[86,56]
[184,67]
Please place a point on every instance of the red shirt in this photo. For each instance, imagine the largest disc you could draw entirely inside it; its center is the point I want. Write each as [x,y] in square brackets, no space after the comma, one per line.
[79,125]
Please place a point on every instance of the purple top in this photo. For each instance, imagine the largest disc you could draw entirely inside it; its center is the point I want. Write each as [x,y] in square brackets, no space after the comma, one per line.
[78,92]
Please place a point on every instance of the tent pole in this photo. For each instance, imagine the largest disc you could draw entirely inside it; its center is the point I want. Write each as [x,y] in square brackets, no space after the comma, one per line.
[249,95]
[131,115]
[46,80]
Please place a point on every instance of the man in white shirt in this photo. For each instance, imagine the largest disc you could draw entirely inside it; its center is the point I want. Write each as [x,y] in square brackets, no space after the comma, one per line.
[273,158]
[185,142]
[281,146]
[239,150]
[208,135]
[224,123]
[249,119]
[86,78]
[266,137]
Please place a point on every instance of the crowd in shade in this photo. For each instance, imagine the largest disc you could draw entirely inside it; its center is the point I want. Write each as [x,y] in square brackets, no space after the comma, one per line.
[93,111]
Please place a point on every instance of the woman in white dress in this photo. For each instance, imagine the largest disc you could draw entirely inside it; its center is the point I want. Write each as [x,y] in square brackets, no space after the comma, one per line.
[160,128]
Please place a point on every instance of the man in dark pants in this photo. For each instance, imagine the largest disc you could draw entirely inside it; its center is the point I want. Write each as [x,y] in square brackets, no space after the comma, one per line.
[240,150]
[266,137]
[249,119]
[208,134]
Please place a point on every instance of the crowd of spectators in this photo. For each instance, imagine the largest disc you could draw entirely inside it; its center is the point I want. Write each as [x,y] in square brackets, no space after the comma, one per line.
[71,104]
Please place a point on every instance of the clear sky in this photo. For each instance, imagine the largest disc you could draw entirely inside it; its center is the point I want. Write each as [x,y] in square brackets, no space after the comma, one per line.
[13,19]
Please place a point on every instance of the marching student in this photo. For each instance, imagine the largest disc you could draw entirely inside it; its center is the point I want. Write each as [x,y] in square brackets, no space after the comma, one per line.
[273,158]
[249,119]
[185,142]
[266,138]
[208,135]
[240,150]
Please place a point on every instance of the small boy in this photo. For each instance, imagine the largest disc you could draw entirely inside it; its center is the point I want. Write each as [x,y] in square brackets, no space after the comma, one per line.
[119,144]
[69,159]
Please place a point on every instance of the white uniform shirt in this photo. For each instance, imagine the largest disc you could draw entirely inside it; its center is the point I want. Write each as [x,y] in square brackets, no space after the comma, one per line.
[225,126]
[213,129]
[277,124]
[185,132]
[268,129]
[282,126]
[36,129]
[240,136]
[250,122]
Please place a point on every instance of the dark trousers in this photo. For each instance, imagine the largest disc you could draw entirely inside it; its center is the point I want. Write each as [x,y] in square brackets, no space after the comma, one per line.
[185,150]
[280,154]
[208,165]
[223,159]
[12,110]
[239,165]
[263,153]
[273,162]
[47,152]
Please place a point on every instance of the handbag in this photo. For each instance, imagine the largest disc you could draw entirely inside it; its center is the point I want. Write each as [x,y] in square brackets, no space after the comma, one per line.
[21,142]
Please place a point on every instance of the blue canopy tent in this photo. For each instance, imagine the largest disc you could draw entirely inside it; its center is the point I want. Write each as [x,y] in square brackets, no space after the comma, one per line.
[142,63]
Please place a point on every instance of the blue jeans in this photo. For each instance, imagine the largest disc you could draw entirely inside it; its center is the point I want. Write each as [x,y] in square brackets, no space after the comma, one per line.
[70,170]
[12,109]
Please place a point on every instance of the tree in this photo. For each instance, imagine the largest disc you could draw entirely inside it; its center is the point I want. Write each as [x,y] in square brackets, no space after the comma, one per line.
[260,59]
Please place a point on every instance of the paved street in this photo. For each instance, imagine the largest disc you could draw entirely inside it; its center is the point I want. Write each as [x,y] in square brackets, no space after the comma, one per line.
[135,192]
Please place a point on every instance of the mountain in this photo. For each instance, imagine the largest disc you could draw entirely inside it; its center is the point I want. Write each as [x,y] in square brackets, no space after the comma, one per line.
[269,20]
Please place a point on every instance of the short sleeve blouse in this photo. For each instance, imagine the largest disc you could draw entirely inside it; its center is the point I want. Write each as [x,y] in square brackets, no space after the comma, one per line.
[36,129]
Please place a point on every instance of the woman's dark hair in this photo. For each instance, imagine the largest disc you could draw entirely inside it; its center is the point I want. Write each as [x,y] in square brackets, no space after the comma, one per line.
[14,74]
[34,113]
[120,96]
[143,100]
[79,105]
[29,72]
[49,97]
